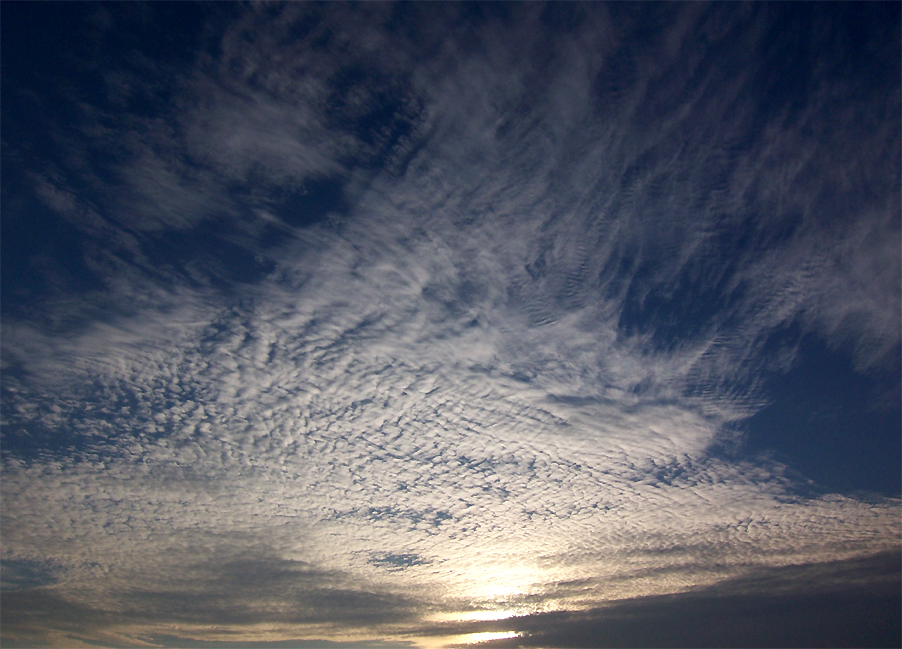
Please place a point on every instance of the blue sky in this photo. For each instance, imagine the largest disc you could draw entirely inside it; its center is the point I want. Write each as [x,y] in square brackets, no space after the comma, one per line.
[427,324]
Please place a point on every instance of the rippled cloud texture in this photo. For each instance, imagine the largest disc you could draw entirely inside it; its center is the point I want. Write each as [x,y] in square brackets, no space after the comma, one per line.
[388,324]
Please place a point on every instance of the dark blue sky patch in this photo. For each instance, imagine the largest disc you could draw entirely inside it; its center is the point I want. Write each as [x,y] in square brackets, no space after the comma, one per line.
[674,310]
[397,561]
[32,441]
[806,46]
[51,431]
[380,112]
[312,204]
[563,16]
[118,58]
[37,40]
[211,252]
[42,255]
[833,425]
[674,316]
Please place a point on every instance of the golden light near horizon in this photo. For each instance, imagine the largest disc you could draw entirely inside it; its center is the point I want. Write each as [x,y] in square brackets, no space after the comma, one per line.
[477,616]
[475,638]
[503,578]
[463,639]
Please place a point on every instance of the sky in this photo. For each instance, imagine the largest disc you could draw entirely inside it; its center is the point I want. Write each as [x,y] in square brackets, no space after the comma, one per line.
[430,324]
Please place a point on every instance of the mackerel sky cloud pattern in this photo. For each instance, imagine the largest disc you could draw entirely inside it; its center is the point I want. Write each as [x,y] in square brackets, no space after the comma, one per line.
[390,324]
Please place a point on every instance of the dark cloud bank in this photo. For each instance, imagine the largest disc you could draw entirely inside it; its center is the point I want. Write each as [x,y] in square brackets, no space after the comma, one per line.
[381,325]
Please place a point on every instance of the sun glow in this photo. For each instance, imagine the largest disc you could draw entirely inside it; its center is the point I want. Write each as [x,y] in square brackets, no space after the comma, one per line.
[474,638]
[449,641]
[509,576]
[476,616]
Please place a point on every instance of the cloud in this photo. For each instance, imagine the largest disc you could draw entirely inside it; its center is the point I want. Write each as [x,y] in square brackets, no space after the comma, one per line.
[21,575]
[497,377]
